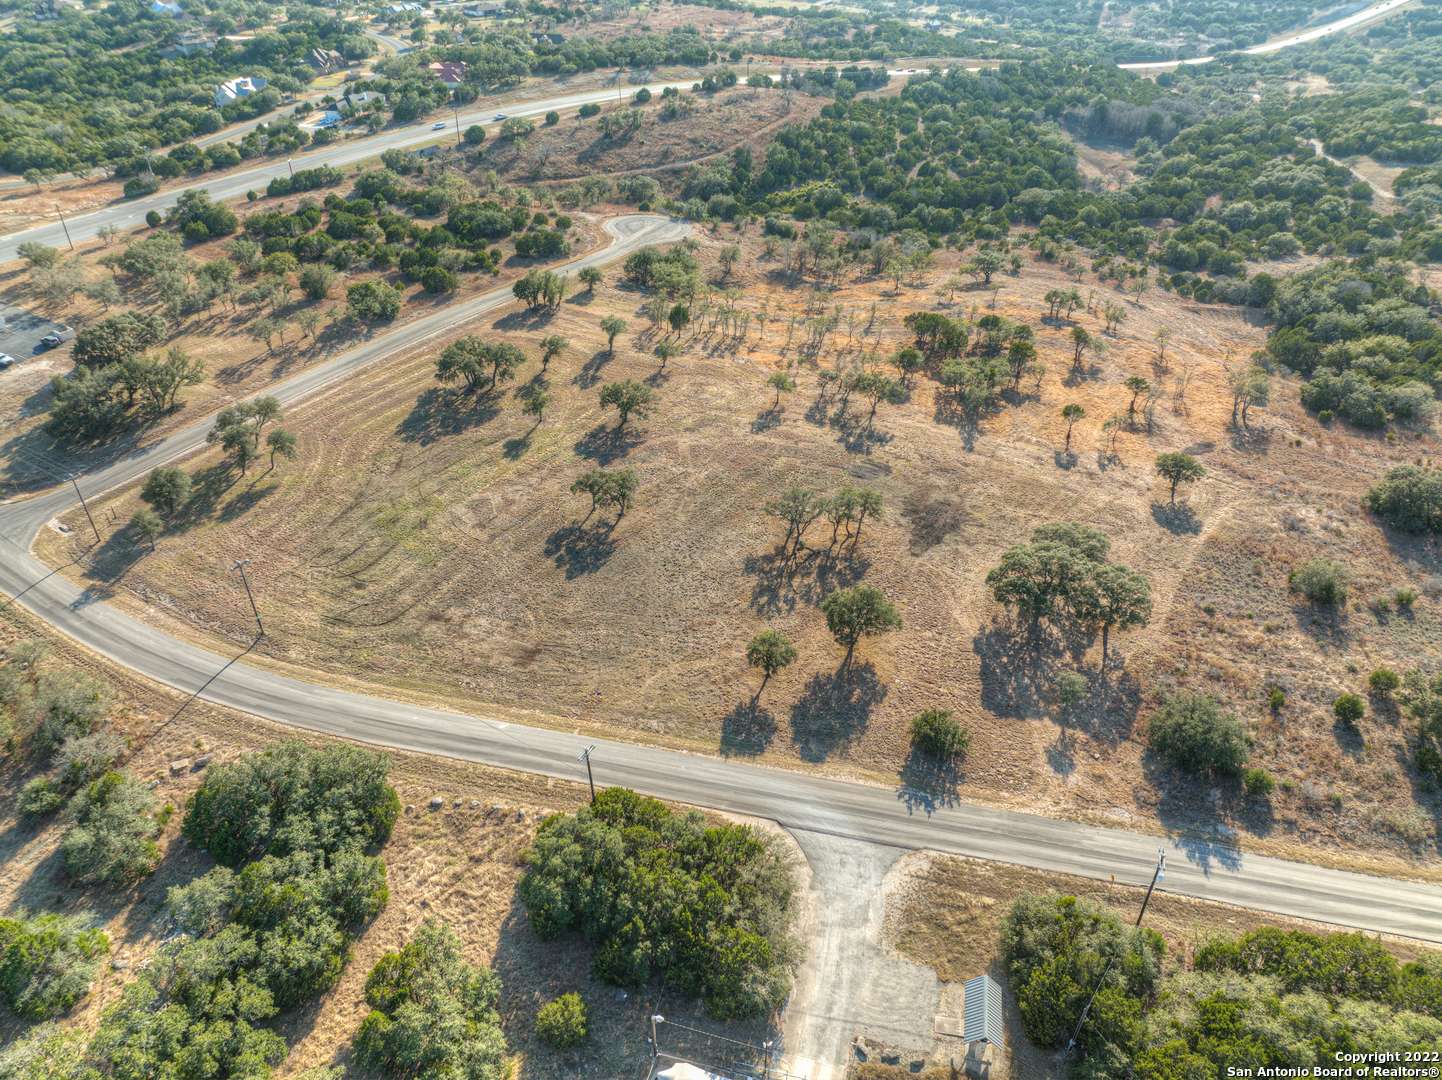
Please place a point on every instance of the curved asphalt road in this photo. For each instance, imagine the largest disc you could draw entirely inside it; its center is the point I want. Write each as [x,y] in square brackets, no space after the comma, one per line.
[797,800]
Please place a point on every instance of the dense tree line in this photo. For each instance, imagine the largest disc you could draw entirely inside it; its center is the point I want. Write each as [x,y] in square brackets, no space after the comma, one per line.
[705,908]
[1266,998]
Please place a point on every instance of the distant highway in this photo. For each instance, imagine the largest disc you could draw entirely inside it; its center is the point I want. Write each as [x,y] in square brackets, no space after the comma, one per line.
[131,213]
[1302,37]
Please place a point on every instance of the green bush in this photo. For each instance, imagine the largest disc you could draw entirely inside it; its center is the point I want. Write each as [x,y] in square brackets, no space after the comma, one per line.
[47,963]
[291,797]
[1193,733]
[1056,950]
[937,733]
[111,838]
[1384,682]
[83,758]
[1349,709]
[1322,581]
[1276,698]
[705,908]
[40,797]
[1258,783]
[1404,598]
[432,1014]
[61,703]
[1409,498]
[562,1023]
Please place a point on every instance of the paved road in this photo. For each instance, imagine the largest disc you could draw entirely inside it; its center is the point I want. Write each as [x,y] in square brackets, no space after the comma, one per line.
[1302,37]
[131,213]
[796,800]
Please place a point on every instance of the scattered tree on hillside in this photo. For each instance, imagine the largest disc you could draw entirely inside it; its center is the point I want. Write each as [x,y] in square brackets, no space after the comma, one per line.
[857,612]
[629,398]
[1178,468]
[769,652]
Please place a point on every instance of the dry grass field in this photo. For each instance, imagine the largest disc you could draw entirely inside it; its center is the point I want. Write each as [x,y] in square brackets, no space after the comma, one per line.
[460,864]
[426,543]
[946,912]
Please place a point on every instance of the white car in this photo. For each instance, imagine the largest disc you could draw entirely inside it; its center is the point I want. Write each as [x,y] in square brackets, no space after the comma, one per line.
[439,125]
[6,360]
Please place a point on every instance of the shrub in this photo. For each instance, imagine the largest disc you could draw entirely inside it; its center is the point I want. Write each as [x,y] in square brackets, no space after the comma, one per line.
[1404,598]
[83,758]
[48,962]
[1276,698]
[373,301]
[40,797]
[111,839]
[1409,498]
[631,876]
[1383,682]
[437,279]
[562,1023]
[291,797]
[1258,783]
[937,733]
[1056,948]
[1192,733]
[1071,688]
[317,281]
[1349,709]
[61,703]
[432,1014]
[589,110]
[1322,581]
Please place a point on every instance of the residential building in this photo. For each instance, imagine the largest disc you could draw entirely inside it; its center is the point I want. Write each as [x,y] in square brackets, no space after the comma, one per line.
[451,73]
[234,89]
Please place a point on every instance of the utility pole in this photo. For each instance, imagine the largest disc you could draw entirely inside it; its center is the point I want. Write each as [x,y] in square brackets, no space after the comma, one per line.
[456,109]
[65,226]
[85,507]
[289,164]
[1158,874]
[655,1046]
[241,564]
[586,757]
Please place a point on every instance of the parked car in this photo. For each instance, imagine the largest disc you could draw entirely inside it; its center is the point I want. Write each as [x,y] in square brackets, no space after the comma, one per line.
[439,125]
[500,116]
[58,336]
[6,360]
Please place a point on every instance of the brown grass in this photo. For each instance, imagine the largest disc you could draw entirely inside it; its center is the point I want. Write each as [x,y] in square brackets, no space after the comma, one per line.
[429,546]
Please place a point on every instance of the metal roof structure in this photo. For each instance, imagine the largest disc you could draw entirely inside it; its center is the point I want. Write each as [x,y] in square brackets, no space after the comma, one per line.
[982,1019]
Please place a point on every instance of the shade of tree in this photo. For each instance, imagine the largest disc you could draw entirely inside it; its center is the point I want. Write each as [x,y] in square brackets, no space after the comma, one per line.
[857,612]
[1177,468]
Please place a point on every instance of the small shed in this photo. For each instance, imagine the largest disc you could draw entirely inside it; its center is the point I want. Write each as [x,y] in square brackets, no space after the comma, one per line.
[982,1018]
